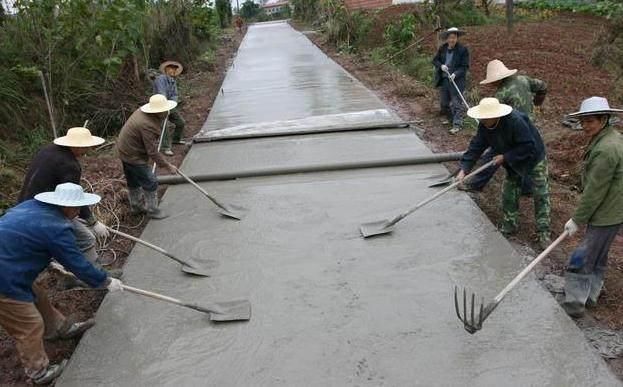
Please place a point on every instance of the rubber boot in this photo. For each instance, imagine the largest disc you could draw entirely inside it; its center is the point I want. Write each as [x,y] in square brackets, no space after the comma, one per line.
[597,283]
[577,289]
[134,197]
[151,199]
[49,373]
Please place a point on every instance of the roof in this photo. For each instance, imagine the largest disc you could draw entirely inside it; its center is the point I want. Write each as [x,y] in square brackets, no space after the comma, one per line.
[274,3]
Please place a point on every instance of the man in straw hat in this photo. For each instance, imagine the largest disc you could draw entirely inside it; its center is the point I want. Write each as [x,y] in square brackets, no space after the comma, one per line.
[30,234]
[518,147]
[451,58]
[522,93]
[137,142]
[166,85]
[600,207]
[59,163]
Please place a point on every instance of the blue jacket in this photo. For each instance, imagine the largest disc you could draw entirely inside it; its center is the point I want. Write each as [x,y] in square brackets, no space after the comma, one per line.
[166,86]
[459,65]
[515,137]
[31,233]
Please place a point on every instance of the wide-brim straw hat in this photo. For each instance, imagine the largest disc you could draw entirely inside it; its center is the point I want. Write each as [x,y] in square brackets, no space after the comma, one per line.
[594,106]
[177,65]
[489,108]
[68,195]
[496,70]
[452,30]
[79,137]
[158,103]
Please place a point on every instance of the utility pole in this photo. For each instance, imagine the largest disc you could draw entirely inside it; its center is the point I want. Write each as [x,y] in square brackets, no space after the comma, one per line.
[238,7]
[509,16]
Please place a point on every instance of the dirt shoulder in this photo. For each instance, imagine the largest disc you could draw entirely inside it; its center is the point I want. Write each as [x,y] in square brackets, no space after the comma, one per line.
[558,51]
[102,173]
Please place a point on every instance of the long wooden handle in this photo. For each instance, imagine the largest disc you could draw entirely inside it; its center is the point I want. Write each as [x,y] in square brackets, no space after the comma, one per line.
[164,126]
[531,266]
[147,244]
[457,90]
[188,179]
[209,308]
[438,194]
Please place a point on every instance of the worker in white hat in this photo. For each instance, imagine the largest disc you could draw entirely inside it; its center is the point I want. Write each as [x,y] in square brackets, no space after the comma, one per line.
[137,143]
[600,208]
[520,92]
[451,65]
[166,85]
[518,147]
[59,163]
[31,233]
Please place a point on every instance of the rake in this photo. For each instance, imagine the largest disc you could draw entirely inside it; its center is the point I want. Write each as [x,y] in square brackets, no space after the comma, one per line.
[473,322]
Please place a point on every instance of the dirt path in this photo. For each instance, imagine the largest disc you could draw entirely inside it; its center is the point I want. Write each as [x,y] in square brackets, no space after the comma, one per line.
[199,86]
[534,51]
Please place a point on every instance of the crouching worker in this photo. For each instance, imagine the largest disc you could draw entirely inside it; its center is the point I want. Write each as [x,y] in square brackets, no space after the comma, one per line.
[600,207]
[137,143]
[31,233]
[517,146]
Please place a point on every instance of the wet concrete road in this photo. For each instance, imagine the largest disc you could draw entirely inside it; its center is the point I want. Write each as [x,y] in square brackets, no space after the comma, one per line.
[329,308]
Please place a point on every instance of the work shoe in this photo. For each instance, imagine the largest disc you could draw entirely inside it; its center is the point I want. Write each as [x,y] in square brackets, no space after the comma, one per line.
[151,199]
[168,152]
[574,309]
[76,329]
[134,198]
[455,129]
[179,142]
[50,373]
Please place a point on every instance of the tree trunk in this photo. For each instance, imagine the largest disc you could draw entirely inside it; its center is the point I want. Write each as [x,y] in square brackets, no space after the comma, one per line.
[509,16]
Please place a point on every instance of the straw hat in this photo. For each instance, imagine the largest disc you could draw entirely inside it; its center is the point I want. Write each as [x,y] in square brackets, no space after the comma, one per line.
[178,65]
[489,108]
[497,71]
[79,138]
[595,105]
[452,30]
[158,103]
[68,195]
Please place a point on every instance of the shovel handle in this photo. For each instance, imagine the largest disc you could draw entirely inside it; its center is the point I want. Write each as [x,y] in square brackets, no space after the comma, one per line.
[188,179]
[457,89]
[211,308]
[147,244]
[164,125]
[529,268]
[438,194]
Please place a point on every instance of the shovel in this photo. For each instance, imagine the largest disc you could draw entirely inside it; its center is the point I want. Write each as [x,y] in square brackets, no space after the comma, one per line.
[387,226]
[230,211]
[218,311]
[473,323]
[164,126]
[445,181]
[188,266]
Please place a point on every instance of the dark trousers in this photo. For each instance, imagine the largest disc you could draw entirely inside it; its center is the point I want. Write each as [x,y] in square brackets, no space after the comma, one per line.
[450,102]
[478,182]
[140,176]
[176,119]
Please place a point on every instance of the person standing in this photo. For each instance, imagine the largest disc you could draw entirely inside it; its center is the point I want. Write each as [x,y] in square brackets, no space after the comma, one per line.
[600,207]
[31,233]
[137,143]
[518,147]
[451,63]
[166,85]
[520,92]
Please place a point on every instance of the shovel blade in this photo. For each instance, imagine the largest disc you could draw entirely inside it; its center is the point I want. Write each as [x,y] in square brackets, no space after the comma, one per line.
[204,269]
[232,211]
[375,228]
[442,183]
[238,310]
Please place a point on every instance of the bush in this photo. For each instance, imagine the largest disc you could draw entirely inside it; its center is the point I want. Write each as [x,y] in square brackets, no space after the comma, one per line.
[607,8]
[343,28]
[419,67]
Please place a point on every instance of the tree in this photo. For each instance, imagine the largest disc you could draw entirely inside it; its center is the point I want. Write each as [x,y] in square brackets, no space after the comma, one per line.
[223,10]
[249,9]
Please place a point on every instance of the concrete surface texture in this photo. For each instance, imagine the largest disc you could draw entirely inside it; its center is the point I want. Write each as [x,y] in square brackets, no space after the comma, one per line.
[329,308]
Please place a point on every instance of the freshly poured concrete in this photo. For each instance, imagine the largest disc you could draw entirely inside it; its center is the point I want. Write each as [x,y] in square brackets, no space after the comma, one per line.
[329,308]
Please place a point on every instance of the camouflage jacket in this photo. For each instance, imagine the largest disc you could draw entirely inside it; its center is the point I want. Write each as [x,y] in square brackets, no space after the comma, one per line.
[518,92]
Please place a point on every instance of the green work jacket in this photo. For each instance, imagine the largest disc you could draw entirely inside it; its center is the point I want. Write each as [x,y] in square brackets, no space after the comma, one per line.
[518,92]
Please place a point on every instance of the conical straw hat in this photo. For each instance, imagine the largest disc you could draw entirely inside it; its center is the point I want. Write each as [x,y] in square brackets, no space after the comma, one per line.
[489,108]
[497,71]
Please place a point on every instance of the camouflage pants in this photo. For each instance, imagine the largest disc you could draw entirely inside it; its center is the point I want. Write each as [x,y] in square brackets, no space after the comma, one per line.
[511,193]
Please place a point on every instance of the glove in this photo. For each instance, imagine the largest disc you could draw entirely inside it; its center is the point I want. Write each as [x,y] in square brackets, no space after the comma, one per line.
[99,230]
[444,68]
[452,76]
[172,169]
[571,227]
[115,285]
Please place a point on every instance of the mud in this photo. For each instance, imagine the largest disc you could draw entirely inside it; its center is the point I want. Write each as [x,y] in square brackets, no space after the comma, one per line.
[329,308]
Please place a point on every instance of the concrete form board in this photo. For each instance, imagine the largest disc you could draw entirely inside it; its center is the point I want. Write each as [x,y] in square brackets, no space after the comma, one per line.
[329,308]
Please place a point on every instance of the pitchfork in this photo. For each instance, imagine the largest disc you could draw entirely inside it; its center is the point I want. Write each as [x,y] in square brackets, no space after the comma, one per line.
[473,323]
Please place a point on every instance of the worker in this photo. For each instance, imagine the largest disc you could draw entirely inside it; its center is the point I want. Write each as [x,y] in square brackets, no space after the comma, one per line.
[452,58]
[58,163]
[518,147]
[31,233]
[600,207]
[166,85]
[520,92]
[137,142]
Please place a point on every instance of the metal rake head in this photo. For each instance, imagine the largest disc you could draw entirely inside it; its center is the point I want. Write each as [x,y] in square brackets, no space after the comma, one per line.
[471,323]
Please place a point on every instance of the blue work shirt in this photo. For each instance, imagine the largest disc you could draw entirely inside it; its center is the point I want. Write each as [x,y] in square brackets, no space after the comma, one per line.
[31,233]
[515,137]
[166,86]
